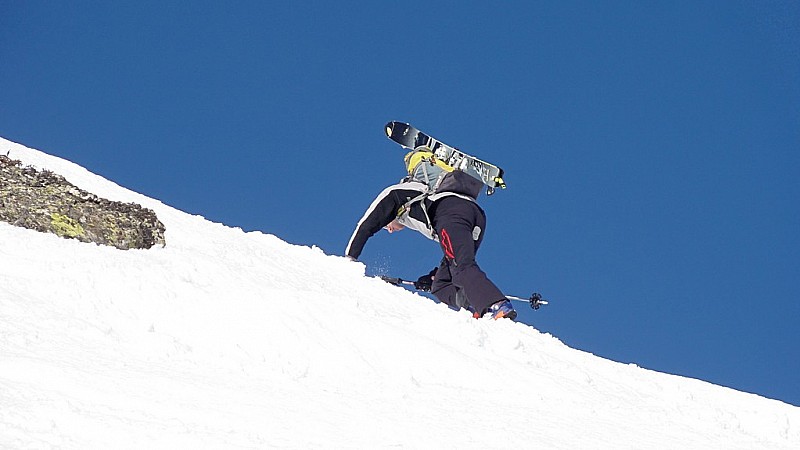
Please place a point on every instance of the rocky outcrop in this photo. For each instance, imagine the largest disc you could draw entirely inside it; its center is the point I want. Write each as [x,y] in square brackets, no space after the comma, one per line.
[47,202]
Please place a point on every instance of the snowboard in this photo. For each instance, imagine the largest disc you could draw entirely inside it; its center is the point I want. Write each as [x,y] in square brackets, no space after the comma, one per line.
[411,138]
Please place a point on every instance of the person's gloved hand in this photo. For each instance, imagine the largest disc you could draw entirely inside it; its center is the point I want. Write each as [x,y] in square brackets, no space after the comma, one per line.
[425,282]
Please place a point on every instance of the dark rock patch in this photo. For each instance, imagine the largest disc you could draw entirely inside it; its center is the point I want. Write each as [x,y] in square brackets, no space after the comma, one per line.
[47,202]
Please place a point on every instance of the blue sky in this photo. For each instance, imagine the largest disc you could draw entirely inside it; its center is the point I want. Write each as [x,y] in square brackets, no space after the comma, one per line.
[651,149]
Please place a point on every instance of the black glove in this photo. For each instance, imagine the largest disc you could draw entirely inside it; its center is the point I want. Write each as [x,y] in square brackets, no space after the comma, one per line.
[425,282]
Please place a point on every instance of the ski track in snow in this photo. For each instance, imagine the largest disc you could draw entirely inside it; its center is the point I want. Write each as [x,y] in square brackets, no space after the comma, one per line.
[227,339]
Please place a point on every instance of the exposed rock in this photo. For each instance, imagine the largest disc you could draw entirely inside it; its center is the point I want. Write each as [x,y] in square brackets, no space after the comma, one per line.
[47,202]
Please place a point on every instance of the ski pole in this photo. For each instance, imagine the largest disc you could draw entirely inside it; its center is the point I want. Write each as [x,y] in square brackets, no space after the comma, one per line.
[535,299]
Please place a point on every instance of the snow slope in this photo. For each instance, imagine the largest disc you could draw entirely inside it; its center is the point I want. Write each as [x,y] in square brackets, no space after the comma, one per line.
[227,339]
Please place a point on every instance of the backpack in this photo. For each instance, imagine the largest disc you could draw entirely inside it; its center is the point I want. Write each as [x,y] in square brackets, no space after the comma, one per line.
[440,180]
[439,177]
[425,168]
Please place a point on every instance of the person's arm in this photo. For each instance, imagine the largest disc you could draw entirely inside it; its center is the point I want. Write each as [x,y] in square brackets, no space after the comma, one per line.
[382,211]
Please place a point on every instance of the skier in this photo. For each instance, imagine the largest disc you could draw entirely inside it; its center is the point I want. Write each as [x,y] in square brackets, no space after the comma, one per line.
[440,203]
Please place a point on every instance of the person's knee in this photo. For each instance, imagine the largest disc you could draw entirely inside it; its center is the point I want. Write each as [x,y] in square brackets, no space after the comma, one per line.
[465,270]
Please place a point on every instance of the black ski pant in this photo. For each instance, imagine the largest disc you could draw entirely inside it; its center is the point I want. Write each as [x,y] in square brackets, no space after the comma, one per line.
[459,282]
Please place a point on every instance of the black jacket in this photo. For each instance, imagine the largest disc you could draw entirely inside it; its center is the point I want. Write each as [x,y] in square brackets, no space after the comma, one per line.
[385,208]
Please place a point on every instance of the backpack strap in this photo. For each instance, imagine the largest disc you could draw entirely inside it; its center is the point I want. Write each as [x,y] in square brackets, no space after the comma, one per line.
[405,211]
[441,195]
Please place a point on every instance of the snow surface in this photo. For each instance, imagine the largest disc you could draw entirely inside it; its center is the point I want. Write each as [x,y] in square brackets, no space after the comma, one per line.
[227,339]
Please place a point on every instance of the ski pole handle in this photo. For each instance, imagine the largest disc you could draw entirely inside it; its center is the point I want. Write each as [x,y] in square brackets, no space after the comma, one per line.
[392,280]
[396,281]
